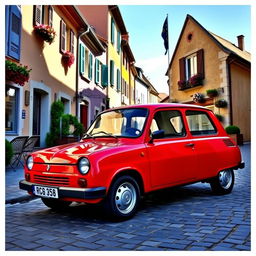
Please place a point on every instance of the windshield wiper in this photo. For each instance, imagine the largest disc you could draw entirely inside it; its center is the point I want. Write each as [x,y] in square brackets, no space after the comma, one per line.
[106,133]
[87,135]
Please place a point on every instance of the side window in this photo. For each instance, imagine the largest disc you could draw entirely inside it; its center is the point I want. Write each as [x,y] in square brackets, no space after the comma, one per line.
[170,122]
[199,123]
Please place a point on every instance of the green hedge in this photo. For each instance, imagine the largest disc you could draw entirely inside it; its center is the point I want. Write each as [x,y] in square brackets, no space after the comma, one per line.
[8,152]
[232,129]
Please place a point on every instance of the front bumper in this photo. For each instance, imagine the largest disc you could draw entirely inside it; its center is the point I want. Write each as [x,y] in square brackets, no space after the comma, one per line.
[79,193]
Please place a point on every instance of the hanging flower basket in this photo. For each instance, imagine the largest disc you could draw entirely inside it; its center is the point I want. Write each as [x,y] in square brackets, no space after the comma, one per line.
[196,80]
[68,58]
[221,103]
[46,32]
[18,74]
[198,98]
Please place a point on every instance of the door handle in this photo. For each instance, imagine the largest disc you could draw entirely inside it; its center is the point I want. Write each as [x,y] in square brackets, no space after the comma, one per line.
[190,145]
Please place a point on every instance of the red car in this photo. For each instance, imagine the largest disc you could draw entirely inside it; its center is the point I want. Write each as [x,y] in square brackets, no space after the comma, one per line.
[130,151]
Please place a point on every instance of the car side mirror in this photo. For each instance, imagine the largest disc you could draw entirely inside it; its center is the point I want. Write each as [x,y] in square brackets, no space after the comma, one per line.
[157,135]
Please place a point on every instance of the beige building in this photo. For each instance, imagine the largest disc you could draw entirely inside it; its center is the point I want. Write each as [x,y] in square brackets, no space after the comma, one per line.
[203,61]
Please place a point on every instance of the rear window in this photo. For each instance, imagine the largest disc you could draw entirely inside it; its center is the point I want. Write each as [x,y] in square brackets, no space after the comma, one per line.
[200,123]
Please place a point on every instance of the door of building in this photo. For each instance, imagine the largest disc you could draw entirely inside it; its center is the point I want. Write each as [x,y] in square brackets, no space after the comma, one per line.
[84,115]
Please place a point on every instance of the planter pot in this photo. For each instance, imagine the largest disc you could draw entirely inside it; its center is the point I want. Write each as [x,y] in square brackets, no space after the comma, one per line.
[237,138]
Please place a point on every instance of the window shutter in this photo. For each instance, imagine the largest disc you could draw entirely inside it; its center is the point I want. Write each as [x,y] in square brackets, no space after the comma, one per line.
[104,75]
[50,16]
[81,59]
[62,36]
[112,31]
[118,41]
[38,14]
[112,72]
[97,71]
[200,62]
[72,42]
[182,63]
[14,32]
[118,80]
[90,66]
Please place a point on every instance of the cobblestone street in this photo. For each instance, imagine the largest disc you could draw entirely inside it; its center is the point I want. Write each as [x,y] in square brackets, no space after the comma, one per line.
[184,218]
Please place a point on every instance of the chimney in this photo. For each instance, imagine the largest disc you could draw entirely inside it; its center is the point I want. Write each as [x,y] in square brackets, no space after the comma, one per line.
[240,41]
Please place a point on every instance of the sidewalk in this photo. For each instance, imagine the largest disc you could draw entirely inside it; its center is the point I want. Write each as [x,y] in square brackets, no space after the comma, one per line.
[13,194]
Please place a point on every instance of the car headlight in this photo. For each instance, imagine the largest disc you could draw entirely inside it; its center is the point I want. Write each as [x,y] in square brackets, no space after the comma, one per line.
[83,165]
[30,162]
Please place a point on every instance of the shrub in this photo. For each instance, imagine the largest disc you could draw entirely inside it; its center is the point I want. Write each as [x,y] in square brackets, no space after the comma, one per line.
[220,117]
[221,103]
[232,129]
[212,93]
[8,152]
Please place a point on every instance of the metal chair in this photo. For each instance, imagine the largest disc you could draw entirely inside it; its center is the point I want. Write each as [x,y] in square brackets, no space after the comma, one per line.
[29,145]
[17,146]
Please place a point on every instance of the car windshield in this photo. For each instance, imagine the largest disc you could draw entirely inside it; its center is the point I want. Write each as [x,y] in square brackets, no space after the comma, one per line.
[119,123]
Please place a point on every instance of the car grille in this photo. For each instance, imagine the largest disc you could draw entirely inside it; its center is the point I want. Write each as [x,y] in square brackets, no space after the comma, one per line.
[49,180]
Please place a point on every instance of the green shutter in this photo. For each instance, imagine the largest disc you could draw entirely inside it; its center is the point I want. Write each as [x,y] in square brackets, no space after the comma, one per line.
[112,31]
[81,59]
[90,66]
[104,75]
[97,71]
[118,41]
[118,80]
[112,72]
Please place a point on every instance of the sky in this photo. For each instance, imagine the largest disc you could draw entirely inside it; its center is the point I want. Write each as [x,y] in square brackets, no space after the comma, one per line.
[144,24]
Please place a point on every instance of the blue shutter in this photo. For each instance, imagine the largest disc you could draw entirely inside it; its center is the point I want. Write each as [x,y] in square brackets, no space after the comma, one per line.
[14,32]
[81,59]
[104,75]
[7,12]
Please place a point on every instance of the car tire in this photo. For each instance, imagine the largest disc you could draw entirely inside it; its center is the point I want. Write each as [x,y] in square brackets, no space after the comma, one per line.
[123,198]
[223,183]
[55,204]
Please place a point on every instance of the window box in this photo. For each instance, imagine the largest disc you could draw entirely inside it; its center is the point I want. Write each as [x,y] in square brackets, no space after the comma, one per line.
[46,32]
[16,73]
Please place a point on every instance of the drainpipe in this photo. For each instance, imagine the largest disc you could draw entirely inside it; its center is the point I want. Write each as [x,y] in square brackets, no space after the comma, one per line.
[229,61]
[77,64]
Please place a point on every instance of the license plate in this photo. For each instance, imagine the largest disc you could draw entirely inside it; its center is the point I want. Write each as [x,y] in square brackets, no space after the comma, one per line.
[45,192]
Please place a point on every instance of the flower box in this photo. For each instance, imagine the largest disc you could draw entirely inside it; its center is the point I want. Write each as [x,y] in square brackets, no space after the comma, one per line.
[46,32]
[18,74]
[68,58]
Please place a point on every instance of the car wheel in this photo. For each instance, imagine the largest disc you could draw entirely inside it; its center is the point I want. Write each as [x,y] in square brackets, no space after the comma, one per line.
[55,204]
[224,182]
[123,198]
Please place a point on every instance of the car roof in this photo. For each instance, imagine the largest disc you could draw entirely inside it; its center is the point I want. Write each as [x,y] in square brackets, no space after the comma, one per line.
[162,105]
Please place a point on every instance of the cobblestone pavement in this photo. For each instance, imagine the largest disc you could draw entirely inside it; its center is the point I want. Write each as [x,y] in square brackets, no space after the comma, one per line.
[185,218]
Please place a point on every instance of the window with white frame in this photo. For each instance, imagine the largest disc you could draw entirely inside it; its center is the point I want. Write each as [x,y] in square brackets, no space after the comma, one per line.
[191,66]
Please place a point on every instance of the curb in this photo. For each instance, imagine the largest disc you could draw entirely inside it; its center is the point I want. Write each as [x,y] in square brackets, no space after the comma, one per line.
[25,198]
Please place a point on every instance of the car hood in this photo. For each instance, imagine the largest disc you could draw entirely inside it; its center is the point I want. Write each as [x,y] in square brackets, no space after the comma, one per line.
[70,153]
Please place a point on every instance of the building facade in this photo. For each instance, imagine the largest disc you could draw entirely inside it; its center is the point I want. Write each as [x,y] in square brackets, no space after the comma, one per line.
[204,62]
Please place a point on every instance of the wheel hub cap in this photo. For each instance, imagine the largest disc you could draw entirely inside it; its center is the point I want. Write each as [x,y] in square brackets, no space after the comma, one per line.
[225,178]
[125,198]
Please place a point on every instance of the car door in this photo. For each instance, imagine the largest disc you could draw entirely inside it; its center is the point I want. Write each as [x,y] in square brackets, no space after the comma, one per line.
[205,138]
[172,157]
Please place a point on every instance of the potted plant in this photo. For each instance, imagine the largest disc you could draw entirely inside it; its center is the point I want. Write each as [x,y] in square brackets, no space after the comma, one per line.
[195,80]
[198,98]
[46,32]
[212,93]
[221,103]
[18,74]
[234,132]
[68,58]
